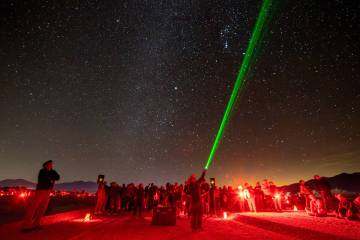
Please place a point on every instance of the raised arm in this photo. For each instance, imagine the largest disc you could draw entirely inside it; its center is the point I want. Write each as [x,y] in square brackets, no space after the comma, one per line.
[202,177]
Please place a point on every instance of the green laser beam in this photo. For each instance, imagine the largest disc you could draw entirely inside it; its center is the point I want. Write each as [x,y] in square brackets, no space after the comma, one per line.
[240,79]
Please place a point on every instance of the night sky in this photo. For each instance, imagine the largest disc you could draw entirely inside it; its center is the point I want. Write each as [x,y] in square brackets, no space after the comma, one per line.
[136,89]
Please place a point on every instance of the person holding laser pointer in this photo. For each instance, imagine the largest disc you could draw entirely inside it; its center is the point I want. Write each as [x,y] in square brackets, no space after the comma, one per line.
[195,195]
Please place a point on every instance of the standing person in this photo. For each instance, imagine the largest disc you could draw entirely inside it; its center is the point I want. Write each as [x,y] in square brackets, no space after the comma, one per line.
[114,197]
[212,201]
[139,200]
[323,187]
[242,199]
[195,202]
[101,196]
[277,196]
[37,207]
[267,194]
[305,192]
[259,196]
[250,197]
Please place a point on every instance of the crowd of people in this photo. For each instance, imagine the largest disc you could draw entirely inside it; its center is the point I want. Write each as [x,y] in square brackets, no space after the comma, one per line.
[136,198]
[206,198]
[319,200]
[197,197]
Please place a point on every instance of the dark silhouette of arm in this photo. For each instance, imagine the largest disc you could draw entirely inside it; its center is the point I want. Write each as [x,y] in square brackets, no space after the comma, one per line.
[54,175]
[202,177]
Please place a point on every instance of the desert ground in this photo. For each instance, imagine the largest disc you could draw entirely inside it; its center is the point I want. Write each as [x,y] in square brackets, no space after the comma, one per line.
[269,225]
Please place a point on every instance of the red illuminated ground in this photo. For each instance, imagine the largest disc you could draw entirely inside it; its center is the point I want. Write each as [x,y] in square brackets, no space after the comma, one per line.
[286,225]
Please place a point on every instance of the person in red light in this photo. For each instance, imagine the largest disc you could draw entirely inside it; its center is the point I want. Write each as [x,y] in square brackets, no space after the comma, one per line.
[277,196]
[195,202]
[242,199]
[323,187]
[139,200]
[250,197]
[37,207]
[101,198]
[259,197]
[305,192]
[114,197]
[316,207]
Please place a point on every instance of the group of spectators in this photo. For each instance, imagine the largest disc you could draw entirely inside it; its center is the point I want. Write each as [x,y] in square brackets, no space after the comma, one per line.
[319,200]
[197,197]
[264,196]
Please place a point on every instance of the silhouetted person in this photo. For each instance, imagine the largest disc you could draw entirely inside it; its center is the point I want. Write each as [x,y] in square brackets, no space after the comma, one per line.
[195,202]
[40,201]
[305,192]
[114,197]
[323,187]
[259,197]
[100,197]
[139,200]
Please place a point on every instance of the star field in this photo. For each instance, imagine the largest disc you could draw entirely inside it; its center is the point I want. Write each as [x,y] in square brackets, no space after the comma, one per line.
[137,89]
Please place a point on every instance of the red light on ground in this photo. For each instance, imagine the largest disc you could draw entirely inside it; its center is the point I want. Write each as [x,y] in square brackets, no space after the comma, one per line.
[295,209]
[225,215]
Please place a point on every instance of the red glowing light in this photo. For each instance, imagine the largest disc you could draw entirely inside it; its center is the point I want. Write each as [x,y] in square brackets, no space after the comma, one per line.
[87,217]
[22,195]
[225,215]
[295,209]
[277,196]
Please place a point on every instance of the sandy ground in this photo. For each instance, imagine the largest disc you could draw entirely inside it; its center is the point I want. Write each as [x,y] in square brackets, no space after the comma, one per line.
[286,225]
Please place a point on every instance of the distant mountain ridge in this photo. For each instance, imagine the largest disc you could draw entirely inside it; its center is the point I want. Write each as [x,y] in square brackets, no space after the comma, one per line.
[86,186]
[17,183]
[349,182]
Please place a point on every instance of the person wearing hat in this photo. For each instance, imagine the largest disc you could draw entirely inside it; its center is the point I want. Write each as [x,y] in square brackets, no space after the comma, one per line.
[39,203]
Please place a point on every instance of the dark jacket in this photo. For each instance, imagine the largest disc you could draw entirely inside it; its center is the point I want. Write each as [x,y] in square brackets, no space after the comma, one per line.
[195,190]
[139,197]
[46,179]
[304,189]
[322,185]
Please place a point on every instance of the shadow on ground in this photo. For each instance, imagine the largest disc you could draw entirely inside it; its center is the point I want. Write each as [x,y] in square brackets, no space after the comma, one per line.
[291,231]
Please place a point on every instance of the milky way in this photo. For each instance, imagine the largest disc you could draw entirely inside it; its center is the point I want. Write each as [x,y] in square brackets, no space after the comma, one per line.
[136,89]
